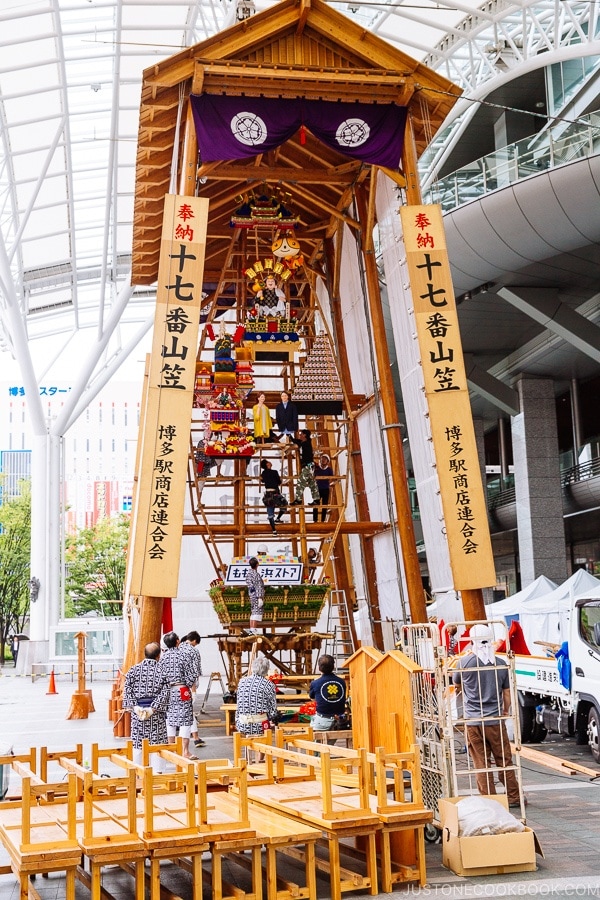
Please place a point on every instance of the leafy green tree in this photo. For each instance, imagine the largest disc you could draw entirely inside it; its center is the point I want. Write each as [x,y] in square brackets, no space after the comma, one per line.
[15,550]
[95,568]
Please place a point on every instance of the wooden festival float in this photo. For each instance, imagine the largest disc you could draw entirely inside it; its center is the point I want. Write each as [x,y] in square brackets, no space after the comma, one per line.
[203,244]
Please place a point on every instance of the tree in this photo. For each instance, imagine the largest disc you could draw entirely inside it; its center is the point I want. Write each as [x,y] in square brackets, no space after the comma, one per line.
[95,568]
[15,551]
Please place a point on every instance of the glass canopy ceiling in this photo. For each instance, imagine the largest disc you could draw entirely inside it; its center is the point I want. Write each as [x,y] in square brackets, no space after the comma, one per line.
[70,75]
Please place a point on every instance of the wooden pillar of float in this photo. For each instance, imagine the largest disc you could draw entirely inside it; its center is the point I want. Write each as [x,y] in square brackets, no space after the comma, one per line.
[355,463]
[399,478]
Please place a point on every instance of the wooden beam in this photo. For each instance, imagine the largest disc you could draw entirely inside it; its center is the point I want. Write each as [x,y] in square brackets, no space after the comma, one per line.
[558,765]
[287,529]
[275,174]
[309,82]
[396,177]
[332,210]
[304,9]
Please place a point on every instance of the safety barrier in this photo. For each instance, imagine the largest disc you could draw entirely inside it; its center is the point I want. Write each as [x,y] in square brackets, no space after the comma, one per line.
[92,670]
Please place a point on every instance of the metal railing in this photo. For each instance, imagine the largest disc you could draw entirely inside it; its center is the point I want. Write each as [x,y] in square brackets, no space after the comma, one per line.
[104,671]
[501,498]
[555,147]
[581,472]
[573,475]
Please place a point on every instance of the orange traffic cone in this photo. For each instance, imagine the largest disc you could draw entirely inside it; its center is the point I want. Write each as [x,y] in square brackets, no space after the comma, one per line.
[52,684]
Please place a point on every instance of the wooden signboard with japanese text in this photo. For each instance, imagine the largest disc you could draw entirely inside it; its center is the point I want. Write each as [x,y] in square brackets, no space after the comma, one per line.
[459,473]
[165,430]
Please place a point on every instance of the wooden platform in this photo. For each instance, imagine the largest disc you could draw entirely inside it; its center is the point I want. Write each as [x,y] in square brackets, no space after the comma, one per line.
[34,838]
[344,793]
[327,808]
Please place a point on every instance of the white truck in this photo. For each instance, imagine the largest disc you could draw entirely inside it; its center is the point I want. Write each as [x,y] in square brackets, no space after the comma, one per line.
[545,704]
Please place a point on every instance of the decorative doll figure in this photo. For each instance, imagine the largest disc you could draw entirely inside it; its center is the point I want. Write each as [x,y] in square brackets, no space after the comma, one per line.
[270,300]
[263,423]
[285,246]
[287,249]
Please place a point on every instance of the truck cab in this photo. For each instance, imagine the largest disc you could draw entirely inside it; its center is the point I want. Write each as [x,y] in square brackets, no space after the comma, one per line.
[564,697]
[584,656]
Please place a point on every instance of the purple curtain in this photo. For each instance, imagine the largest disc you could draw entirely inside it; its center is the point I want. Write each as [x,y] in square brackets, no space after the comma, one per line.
[240,127]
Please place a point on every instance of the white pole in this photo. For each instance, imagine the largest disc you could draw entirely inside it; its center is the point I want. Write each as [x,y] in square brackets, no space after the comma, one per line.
[39,530]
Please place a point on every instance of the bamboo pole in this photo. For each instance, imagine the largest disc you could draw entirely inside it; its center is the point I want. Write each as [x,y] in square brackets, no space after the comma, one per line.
[189,163]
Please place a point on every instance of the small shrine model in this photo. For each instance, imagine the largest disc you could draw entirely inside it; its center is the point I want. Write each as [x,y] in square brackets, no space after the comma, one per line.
[263,211]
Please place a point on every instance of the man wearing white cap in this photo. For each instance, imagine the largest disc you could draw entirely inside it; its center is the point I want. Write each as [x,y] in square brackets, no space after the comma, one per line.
[486,692]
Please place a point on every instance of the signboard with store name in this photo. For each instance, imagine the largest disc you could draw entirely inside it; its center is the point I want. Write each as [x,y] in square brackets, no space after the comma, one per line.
[165,430]
[271,573]
[274,568]
[437,328]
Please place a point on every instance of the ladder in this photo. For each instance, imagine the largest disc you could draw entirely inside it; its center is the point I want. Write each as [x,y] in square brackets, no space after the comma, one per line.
[340,641]
[214,676]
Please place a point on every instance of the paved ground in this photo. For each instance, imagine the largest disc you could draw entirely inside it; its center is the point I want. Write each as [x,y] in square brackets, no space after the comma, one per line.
[563,810]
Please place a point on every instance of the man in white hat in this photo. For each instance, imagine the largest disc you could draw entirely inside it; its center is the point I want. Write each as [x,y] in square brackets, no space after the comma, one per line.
[484,680]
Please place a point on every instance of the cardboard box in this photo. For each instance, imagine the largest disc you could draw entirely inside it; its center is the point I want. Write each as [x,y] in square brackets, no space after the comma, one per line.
[487,854]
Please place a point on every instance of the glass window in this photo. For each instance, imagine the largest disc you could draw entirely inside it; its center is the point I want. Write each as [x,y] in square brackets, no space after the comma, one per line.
[99,642]
[65,644]
[589,624]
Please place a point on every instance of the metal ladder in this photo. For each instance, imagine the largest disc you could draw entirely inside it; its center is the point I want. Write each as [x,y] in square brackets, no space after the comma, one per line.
[214,676]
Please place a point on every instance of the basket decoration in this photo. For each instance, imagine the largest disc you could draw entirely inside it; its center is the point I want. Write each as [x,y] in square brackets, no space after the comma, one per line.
[234,445]
[297,604]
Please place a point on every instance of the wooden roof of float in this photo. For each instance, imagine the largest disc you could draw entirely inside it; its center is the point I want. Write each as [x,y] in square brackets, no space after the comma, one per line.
[297,48]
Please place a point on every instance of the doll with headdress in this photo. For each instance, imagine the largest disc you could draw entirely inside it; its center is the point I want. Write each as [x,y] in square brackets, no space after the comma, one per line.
[270,299]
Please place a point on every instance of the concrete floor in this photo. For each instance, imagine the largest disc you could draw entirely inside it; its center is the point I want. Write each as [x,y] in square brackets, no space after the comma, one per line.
[563,810]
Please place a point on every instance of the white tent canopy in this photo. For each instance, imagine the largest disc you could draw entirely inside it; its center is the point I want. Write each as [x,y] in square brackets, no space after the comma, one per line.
[446,607]
[511,606]
[546,618]
[593,594]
